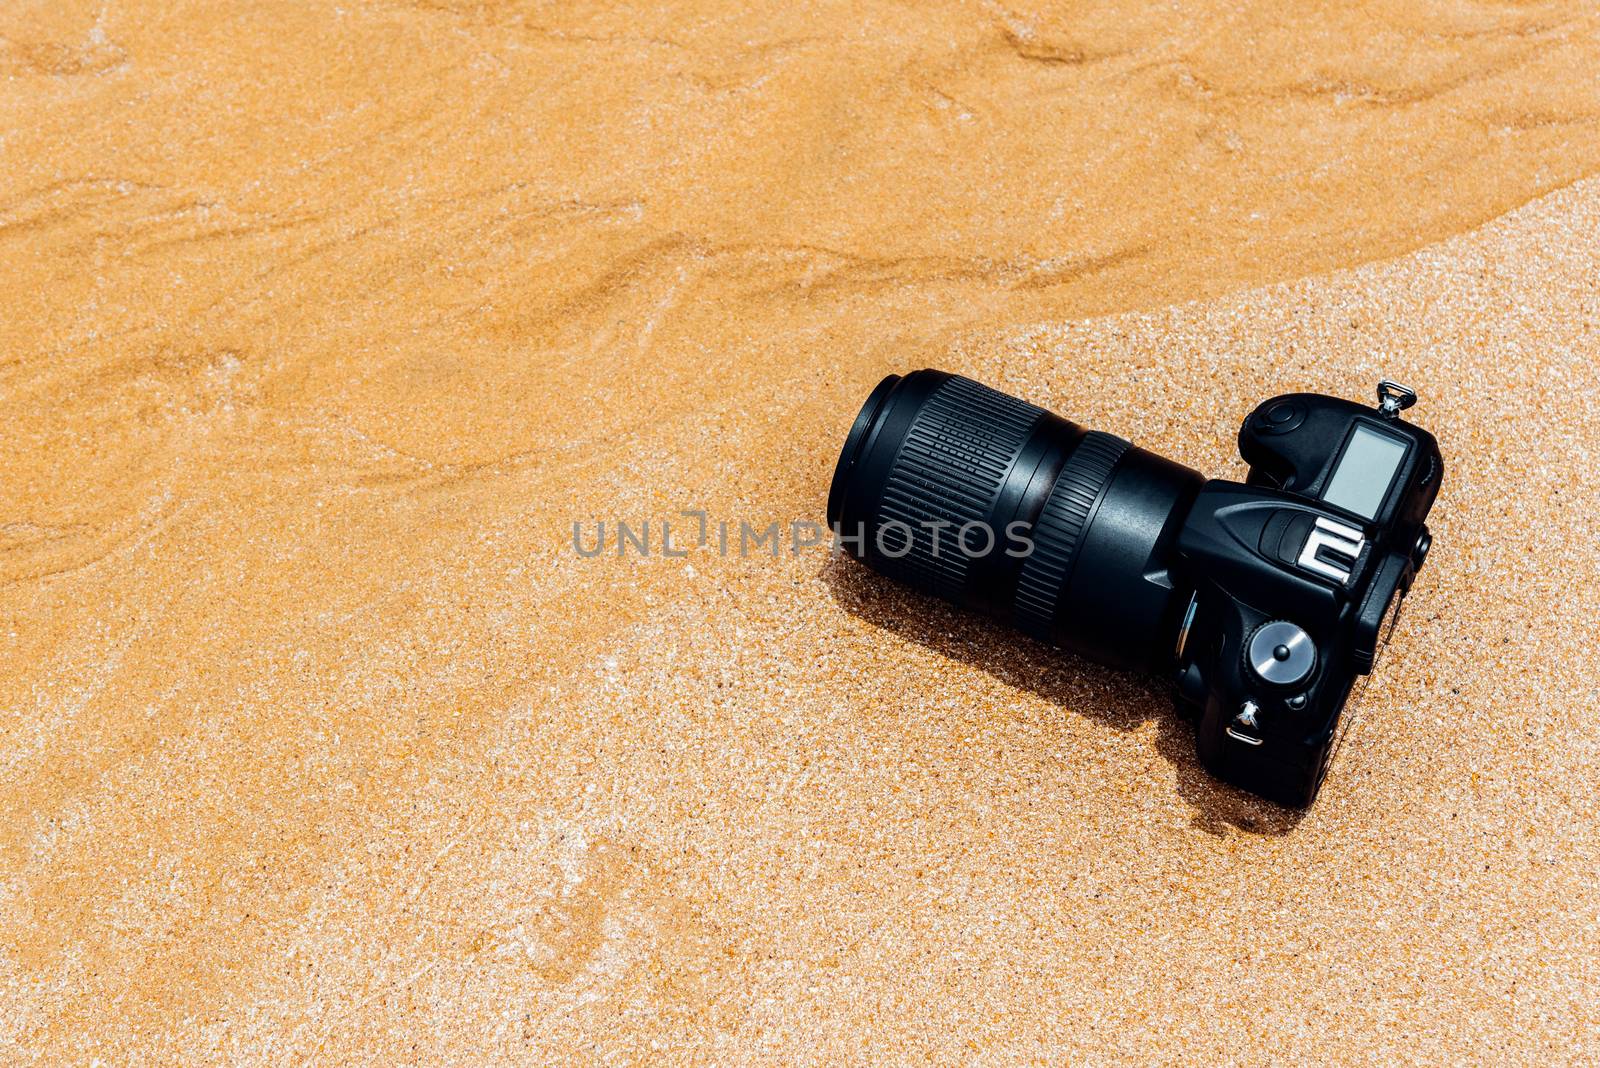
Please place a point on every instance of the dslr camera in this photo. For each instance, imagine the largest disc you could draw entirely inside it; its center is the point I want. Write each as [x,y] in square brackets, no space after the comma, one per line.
[1263,600]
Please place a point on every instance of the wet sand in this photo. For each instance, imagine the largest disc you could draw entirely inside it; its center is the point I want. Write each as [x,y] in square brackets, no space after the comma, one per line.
[323,325]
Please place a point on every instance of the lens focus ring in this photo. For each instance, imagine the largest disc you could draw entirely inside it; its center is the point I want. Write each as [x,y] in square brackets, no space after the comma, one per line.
[949,470]
[932,452]
[1059,531]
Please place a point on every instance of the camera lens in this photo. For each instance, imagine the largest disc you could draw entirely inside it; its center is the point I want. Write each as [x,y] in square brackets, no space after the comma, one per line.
[995,504]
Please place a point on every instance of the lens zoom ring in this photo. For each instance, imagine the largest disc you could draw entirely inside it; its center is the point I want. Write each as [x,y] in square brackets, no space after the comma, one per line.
[1059,531]
[950,469]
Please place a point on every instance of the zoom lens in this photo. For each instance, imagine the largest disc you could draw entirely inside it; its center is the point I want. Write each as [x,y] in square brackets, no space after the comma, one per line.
[997,505]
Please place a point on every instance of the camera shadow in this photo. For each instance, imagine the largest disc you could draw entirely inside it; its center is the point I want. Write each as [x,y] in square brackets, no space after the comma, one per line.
[1118,699]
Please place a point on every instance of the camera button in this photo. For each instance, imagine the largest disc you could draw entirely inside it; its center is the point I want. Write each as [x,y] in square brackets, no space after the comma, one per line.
[1419,553]
[1281,653]
[1281,418]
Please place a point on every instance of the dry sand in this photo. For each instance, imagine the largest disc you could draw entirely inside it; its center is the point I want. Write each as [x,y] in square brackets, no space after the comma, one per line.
[322,324]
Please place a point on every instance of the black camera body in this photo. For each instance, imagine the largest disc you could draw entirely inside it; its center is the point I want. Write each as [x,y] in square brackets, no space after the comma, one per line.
[1268,598]
[1294,575]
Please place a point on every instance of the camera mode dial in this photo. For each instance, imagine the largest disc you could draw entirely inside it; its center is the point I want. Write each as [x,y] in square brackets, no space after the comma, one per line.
[1281,653]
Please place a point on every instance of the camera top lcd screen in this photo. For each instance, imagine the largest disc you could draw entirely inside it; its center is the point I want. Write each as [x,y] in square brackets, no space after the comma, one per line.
[1365,470]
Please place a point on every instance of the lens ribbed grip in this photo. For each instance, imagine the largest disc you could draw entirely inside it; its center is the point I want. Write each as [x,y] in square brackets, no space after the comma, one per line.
[950,469]
[1059,531]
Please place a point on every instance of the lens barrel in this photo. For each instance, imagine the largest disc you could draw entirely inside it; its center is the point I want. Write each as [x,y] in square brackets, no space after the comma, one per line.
[995,504]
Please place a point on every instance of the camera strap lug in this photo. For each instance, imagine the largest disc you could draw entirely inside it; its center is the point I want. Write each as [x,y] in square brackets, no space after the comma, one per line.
[1393,398]
[1246,719]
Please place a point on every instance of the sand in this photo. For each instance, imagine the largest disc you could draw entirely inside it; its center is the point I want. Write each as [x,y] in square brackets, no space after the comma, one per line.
[323,325]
